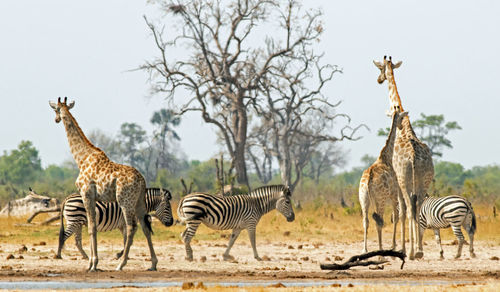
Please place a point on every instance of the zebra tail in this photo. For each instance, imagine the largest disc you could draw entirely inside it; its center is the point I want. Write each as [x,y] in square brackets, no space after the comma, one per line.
[147,221]
[473,225]
[180,212]
[61,229]
[378,219]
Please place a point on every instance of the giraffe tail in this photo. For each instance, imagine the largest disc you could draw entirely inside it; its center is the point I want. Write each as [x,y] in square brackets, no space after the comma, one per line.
[413,201]
[378,219]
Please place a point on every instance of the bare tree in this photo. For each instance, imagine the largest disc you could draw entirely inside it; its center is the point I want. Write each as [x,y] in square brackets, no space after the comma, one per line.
[227,61]
[296,117]
[323,160]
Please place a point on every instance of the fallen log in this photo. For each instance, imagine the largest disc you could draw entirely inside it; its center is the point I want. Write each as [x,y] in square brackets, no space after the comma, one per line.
[55,209]
[359,260]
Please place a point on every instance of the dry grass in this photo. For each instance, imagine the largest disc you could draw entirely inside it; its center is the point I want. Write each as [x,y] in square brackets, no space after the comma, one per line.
[325,223]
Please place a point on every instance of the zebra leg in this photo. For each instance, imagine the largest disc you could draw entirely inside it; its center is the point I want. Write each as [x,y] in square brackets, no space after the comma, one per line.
[232,239]
[470,231]
[187,235]
[457,230]
[251,234]
[147,232]
[78,242]
[437,235]
[63,236]
[124,235]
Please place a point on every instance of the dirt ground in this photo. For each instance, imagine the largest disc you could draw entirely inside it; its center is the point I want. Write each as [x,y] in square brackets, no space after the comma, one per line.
[283,261]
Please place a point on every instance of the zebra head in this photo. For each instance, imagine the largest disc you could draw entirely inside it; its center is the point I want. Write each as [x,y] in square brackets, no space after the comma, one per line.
[163,210]
[284,204]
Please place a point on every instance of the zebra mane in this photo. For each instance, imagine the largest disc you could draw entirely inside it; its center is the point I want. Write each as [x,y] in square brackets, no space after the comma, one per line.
[271,188]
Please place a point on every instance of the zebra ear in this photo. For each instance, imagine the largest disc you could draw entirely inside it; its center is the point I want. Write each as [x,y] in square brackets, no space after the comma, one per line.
[287,191]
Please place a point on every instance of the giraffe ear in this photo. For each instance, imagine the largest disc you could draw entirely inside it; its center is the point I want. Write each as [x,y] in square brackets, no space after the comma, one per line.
[52,104]
[71,105]
[394,66]
[378,64]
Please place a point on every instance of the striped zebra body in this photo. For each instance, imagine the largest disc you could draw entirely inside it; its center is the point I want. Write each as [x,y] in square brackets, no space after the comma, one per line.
[232,212]
[443,212]
[109,216]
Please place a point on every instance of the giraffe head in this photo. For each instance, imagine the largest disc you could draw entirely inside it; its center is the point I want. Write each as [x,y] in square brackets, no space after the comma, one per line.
[386,68]
[387,73]
[57,106]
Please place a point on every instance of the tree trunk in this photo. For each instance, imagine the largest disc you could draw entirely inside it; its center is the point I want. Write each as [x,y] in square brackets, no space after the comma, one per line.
[240,124]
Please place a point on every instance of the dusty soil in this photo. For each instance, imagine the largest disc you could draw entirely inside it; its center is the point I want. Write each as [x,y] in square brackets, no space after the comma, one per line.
[283,261]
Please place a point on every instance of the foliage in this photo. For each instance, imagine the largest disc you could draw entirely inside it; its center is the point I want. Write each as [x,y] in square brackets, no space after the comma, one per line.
[433,131]
[21,165]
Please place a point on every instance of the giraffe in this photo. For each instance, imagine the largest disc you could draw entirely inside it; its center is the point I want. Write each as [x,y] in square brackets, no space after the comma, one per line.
[378,183]
[103,180]
[411,160]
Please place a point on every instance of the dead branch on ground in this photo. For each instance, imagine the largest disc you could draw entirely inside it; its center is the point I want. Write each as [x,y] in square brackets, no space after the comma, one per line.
[358,260]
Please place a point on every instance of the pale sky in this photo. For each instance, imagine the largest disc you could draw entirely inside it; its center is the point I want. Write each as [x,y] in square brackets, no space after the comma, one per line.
[85,49]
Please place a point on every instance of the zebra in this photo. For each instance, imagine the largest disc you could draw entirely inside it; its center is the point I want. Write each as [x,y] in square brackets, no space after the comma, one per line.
[443,212]
[236,212]
[109,216]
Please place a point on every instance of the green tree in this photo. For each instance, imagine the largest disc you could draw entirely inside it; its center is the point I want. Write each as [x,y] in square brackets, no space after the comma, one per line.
[131,137]
[432,130]
[164,120]
[20,166]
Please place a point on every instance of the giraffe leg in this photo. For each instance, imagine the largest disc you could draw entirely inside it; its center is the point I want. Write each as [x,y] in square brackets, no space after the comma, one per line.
[232,239]
[402,218]
[131,227]
[78,242]
[365,205]
[251,234]
[437,235]
[187,235]
[418,230]
[379,226]
[395,219]
[411,234]
[89,201]
[457,230]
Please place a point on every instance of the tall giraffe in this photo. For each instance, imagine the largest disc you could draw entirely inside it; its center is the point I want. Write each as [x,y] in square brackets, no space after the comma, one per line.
[103,180]
[412,159]
[379,183]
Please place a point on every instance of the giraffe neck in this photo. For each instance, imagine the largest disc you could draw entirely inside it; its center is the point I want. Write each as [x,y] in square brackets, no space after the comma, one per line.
[393,91]
[79,145]
[407,130]
[386,153]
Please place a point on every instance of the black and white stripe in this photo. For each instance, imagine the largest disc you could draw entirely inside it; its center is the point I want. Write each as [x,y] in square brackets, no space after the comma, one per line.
[236,212]
[109,216]
[454,211]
